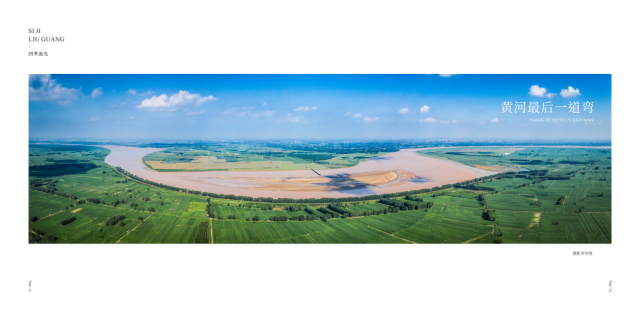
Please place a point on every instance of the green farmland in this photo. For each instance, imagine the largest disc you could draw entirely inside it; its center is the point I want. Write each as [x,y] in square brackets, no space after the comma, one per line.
[564,197]
[234,157]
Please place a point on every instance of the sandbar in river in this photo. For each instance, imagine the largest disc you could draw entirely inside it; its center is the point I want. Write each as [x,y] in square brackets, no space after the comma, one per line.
[399,171]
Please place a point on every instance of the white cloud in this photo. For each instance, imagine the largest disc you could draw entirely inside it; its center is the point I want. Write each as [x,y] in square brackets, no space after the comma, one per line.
[403,110]
[94,119]
[538,91]
[134,92]
[43,88]
[264,103]
[570,92]
[374,119]
[453,121]
[347,114]
[96,92]
[266,113]
[495,120]
[305,108]
[428,120]
[130,118]
[481,122]
[289,118]
[425,109]
[357,115]
[231,111]
[157,102]
[246,112]
[166,103]
[184,97]
[446,75]
[448,121]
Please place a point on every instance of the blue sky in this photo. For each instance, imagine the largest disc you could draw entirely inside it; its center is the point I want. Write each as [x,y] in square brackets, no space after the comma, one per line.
[315,106]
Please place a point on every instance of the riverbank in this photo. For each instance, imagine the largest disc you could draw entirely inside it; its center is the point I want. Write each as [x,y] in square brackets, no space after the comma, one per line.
[395,172]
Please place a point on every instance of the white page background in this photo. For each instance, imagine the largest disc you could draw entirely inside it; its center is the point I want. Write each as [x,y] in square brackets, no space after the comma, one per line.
[319,281]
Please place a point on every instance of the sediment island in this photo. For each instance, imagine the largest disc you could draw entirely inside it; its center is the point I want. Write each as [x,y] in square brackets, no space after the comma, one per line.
[404,170]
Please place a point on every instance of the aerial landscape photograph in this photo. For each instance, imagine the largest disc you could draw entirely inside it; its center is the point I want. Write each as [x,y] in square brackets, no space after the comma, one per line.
[320,159]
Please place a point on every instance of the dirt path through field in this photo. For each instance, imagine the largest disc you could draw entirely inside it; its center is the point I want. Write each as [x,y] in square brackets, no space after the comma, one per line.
[211,226]
[476,238]
[50,215]
[134,228]
[393,235]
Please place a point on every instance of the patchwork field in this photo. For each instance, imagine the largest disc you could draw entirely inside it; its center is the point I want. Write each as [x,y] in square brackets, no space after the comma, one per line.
[246,158]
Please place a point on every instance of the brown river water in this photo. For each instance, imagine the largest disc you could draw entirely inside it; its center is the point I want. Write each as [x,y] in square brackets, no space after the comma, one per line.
[399,171]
